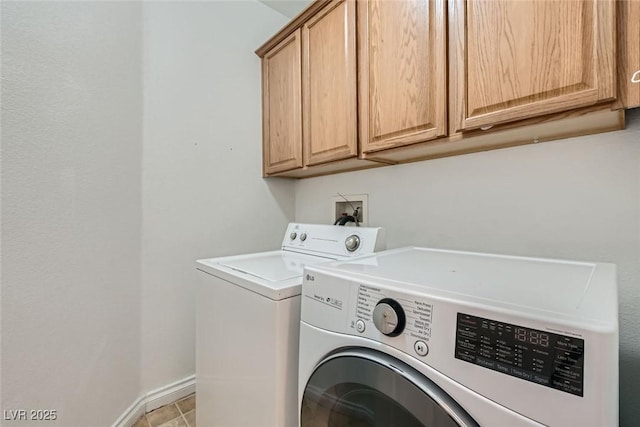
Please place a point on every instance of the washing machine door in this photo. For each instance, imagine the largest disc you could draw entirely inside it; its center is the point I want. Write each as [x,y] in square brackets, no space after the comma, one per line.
[366,388]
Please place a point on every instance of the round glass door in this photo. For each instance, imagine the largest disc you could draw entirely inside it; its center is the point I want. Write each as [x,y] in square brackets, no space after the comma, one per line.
[365,388]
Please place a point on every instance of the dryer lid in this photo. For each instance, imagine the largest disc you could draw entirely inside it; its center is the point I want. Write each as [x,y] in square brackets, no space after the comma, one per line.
[580,289]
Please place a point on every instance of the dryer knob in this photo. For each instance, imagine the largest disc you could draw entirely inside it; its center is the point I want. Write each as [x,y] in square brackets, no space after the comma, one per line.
[388,317]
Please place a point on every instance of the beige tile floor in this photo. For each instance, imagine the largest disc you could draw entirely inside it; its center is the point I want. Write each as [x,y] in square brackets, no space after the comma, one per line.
[181,413]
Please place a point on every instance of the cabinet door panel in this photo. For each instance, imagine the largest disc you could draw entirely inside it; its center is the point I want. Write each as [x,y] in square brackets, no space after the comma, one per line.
[402,57]
[329,84]
[282,106]
[512,60]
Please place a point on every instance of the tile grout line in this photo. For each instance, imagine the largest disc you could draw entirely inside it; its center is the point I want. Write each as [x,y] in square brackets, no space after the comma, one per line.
[179,416]
[182,413]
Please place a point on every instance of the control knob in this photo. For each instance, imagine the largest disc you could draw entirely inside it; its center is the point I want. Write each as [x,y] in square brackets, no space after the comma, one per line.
[293,235]
[303,236]
[352,243]
[388,317]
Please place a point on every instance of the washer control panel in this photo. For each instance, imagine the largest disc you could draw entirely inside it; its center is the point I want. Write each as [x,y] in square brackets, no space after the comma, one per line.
[332,240]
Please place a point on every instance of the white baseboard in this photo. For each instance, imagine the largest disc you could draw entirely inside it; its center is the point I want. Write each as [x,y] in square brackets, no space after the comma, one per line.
[155,399]
[131,415]
[170,393]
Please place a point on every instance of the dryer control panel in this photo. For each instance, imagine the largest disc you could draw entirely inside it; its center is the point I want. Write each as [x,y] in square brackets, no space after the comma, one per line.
[542,357]
[416,312]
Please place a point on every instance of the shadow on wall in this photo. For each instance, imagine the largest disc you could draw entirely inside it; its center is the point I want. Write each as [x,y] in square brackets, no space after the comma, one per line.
[281,189]
[629,362]
[629,374]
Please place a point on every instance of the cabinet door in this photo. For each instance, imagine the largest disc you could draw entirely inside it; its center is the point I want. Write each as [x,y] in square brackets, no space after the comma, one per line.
[511,60]
[282,106]
[402,72]
[629,53]
[329,84]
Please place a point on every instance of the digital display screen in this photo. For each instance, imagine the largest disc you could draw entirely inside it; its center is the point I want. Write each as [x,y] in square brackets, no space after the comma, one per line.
[544,358]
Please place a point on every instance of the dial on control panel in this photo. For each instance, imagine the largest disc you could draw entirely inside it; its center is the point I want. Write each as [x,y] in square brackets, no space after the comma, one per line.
[388,317]
[352,243]
[303,236]
[293,235]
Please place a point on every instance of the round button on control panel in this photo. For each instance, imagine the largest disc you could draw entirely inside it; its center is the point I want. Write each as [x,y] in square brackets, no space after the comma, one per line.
[360,326]
[421,348]
[293,235]
[303,236]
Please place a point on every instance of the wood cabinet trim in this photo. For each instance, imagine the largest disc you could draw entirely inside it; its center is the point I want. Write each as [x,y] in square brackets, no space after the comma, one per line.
[568,124]
[346,165]
[362,36]
[292,26]
[582,98]
[605,50]
[457,95]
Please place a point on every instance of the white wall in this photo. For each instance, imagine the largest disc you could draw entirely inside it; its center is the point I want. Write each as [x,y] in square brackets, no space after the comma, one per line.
[288,8]
[71,209]
[203,195]
[111,188]
[576,199]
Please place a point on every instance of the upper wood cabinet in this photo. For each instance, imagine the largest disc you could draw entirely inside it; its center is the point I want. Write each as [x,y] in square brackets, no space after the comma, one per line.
[402,72]
[629,53]
[329,84]
[282,106]
[350,84]
[512,60]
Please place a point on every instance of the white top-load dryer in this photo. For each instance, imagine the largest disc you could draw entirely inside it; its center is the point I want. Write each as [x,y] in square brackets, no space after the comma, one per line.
[418,337]
[247,325]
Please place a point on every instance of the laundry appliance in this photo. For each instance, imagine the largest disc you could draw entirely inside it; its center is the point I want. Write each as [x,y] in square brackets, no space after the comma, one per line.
[247,325]
[418,337]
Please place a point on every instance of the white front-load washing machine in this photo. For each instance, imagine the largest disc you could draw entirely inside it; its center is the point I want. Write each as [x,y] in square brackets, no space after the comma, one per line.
[247,325]
[417,337]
